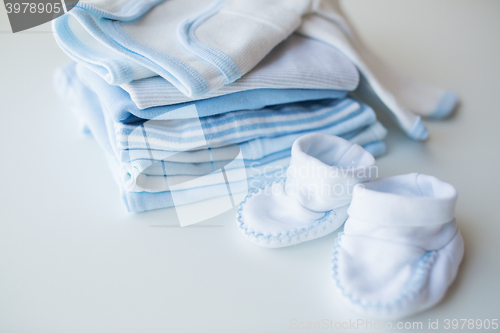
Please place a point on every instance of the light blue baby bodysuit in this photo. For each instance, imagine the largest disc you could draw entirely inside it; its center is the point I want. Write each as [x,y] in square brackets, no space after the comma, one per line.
[123,109]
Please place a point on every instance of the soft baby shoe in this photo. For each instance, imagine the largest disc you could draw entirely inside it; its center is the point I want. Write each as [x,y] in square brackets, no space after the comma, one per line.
[313,199]
[401,247]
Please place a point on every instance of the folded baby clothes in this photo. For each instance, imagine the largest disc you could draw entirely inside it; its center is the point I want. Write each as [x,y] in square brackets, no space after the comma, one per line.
[196,53]
[296,63]
[123,109]
[366,131]
[188,162]
[169,167]
[359,126]
[139,202]
[235,171]
[155,175]
[197,45]
[144,201]
[354,116]
[178,165]
[234,127]
[148,175]
[401,247]
[253,150]
[151,174]
[136,202]
[313,199]
[303,69]
[363,118]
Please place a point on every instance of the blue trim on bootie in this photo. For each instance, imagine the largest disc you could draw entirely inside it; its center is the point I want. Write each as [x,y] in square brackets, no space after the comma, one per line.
[413,287]
[295,235]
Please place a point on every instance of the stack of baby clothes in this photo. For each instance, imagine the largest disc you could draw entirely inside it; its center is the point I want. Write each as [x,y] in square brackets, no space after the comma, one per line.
[191,100]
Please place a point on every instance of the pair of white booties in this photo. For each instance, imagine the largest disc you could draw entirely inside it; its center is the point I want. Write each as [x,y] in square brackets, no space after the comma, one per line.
[401,246]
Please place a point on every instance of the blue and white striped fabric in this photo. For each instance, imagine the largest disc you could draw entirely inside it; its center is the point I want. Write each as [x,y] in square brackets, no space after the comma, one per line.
[123,109]
[168,168]
[236,127]
[361,118]
[154,176]
[72,89]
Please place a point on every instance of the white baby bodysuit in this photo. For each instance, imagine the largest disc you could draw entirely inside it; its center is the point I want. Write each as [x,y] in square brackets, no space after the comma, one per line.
[197,45]
[296,63]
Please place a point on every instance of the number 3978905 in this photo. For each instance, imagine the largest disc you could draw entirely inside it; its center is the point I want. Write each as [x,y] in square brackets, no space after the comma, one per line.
[31,7]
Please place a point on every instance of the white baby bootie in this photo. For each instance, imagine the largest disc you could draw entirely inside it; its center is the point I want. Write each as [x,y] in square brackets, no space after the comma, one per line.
[401,247]
[313,200]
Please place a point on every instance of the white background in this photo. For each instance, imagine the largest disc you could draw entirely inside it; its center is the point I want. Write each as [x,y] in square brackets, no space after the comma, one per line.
[72,259]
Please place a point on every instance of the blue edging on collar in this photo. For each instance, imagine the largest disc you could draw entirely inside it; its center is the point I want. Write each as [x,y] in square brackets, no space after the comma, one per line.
[186,34]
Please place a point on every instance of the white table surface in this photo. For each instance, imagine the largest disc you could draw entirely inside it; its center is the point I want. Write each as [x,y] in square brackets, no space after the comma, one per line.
[72,259]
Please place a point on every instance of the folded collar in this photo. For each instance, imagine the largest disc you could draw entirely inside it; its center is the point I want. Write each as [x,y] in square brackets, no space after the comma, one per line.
[407,200]
[324,169]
